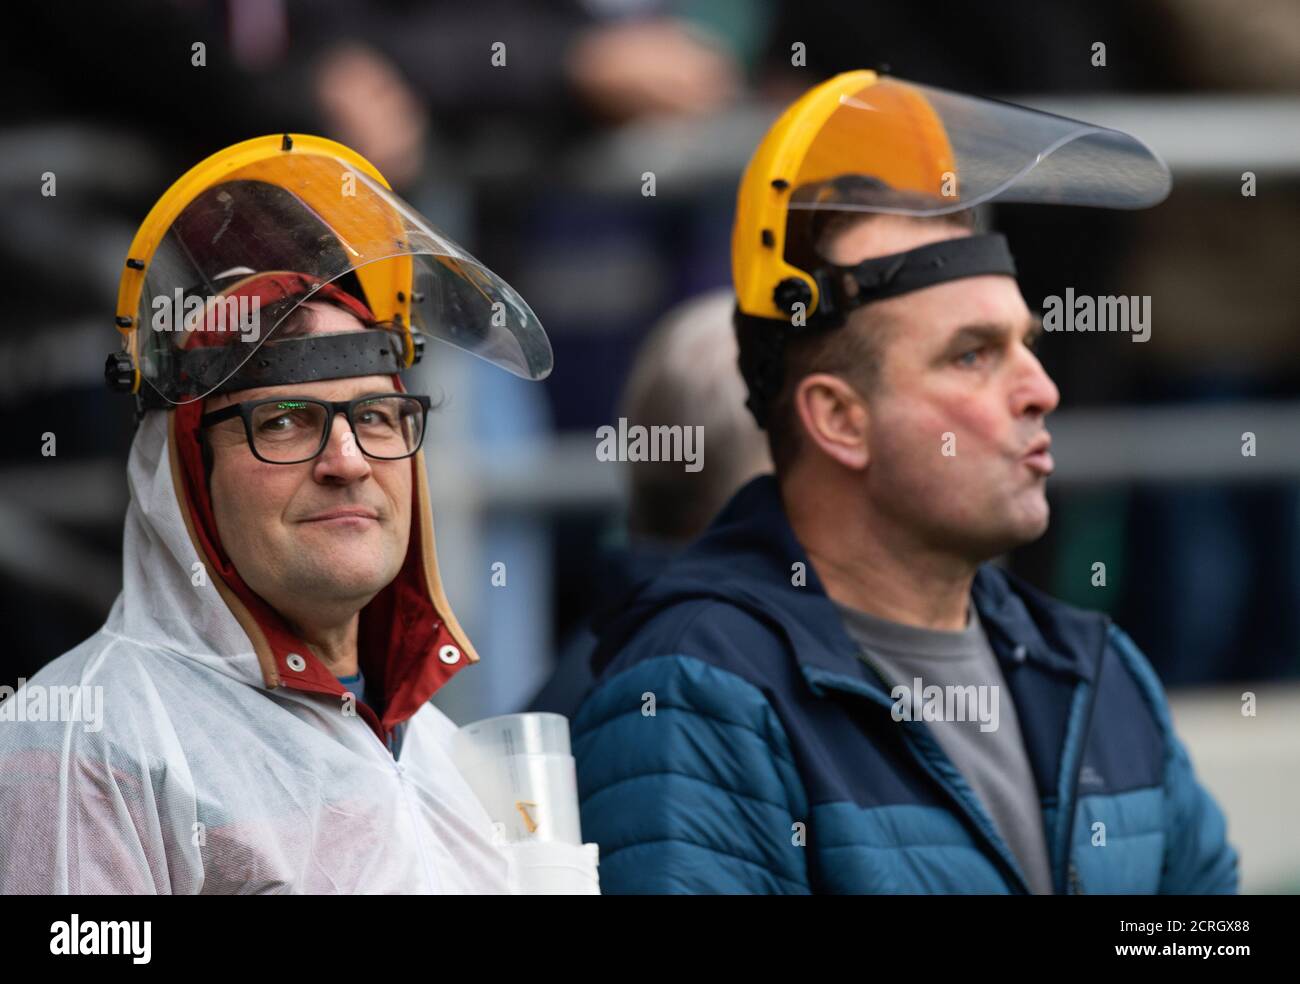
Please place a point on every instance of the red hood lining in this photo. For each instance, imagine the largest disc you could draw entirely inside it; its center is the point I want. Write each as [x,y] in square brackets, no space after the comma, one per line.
[272,290]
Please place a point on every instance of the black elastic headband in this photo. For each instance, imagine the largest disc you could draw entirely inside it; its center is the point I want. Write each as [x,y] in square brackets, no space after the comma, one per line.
[308,359]
[843,288]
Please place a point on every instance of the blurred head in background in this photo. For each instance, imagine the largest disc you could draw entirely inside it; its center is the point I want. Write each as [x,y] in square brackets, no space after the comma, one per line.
[685,374]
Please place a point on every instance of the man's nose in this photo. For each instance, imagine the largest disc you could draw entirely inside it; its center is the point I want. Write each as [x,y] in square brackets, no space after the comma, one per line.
[341,460]
[1035,393]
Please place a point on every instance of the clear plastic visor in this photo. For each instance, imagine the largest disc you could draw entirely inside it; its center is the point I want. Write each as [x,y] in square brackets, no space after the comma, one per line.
[313,215]
[929,151]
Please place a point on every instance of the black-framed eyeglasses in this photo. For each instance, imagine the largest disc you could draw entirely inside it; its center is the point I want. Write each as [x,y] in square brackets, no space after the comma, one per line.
[290,430]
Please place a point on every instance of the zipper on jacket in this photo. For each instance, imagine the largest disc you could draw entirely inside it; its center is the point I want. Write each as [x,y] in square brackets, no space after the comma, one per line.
[1067,811]
[982,822]
[430,873]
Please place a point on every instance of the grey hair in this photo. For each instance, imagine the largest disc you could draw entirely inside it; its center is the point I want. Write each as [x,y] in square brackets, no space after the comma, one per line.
[686,374]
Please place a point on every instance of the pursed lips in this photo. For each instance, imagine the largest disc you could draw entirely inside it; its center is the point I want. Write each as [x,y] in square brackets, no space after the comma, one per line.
[1038,458]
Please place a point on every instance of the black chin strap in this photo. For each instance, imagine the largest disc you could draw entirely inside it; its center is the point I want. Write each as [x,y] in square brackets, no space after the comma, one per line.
[843,288]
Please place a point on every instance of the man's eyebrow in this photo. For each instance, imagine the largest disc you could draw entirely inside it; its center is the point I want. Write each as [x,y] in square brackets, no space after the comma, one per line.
[993,331]
[982,331]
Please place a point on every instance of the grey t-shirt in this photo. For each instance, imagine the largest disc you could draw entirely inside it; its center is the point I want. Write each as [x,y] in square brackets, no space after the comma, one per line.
[986,746]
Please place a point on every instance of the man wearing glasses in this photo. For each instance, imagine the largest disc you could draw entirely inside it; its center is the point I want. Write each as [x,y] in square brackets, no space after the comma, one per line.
[263,680]
[325,534]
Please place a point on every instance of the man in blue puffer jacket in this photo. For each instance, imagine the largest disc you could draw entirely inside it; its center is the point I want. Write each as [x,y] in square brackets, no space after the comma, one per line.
[832,690]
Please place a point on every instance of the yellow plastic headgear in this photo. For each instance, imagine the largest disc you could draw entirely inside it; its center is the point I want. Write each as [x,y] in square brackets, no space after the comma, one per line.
[386,282]
[931,151]
[824,135]
[316,214]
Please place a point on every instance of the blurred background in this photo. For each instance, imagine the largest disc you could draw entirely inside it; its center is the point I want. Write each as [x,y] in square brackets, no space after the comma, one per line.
[535,160]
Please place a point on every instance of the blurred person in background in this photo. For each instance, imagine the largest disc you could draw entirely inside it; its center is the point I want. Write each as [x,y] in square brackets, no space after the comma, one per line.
[811,697]
[684,376]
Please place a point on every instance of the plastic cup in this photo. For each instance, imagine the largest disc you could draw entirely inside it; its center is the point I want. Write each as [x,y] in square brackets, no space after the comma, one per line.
[521,769]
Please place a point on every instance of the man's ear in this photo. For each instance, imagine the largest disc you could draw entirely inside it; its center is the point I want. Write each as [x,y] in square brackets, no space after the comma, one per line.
[834,417]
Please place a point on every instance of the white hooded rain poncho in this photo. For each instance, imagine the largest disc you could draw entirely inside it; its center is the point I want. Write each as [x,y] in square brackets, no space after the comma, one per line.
[217,767]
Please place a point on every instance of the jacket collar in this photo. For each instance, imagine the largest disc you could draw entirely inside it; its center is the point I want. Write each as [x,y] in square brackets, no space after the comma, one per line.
[749,557]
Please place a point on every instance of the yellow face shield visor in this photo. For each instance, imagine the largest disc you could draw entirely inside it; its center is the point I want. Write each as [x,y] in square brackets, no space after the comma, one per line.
[910,149]
[303,210]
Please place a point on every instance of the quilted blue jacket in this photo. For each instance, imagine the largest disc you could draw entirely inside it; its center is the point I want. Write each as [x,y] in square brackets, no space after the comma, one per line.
[735,743]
